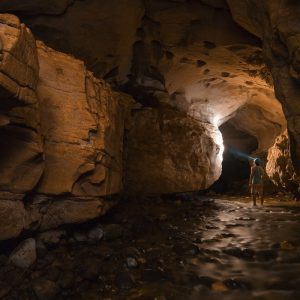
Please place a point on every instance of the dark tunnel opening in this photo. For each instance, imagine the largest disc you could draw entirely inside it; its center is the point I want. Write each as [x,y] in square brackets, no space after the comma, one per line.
[238,145]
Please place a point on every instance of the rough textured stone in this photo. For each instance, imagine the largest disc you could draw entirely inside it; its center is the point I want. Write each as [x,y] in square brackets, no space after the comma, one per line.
[170,152]
[277,24]
[279,167]
[83,154]
[12,218]
[51,237]
[48,212]
[20,144]
[61,132]
[45,289]
[190,55]
[25,254]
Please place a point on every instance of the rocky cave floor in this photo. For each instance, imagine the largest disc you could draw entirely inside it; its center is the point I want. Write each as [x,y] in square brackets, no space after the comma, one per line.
[179,248]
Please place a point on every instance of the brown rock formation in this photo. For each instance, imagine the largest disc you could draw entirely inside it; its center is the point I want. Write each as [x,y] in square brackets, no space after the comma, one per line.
[279,167]
[277,24]
[170,152]
[62,133]
[82,122]
[189,55]
[20,170]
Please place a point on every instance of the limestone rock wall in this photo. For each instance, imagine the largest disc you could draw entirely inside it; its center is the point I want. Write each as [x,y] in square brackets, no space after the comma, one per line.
[169,152]
[189,54]
[61,136]
[82,122]
[279,166]
[19,71]
[277,24]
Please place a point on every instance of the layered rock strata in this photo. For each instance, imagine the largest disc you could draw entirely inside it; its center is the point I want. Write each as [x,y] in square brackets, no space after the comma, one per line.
[62,134]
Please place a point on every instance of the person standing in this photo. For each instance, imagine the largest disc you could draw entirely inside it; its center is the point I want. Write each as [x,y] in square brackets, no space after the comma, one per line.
[256,181]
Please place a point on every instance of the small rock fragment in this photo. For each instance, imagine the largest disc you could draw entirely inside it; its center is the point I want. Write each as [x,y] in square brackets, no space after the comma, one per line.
[52,237]
[219,286]
[131,262]
[45,289]
[96,233]
[25,254]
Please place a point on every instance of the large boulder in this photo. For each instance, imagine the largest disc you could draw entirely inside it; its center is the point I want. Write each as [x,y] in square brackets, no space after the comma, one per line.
[279,166]
[25,254]
[169,152]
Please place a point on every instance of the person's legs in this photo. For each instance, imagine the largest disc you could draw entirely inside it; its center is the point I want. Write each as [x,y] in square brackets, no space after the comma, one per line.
[261,198]
[254,199]
[261,195]
[253,192]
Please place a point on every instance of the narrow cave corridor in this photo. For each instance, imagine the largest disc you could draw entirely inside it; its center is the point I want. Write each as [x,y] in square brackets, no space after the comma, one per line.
[128,130]
[239,148]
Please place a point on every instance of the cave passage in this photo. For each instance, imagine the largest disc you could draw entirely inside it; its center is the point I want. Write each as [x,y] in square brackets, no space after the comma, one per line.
[126,133]
[237,160]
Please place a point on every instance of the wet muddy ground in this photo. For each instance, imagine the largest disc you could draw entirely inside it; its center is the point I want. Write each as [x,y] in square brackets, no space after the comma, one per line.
[180,248]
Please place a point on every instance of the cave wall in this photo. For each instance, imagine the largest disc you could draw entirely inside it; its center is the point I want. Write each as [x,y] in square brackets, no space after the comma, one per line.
[277,24]
[185,62]
[61,138]
[191,55]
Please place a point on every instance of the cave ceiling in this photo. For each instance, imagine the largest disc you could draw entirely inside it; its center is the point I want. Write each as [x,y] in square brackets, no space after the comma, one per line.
[189,54]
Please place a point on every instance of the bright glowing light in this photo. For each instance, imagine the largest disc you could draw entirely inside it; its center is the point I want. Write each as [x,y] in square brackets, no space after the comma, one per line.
[218,138]
[215,122]
[219,141]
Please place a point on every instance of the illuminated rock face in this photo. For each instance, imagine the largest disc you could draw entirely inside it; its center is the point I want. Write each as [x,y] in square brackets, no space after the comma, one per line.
[62,134]
[277,24]
[279,167]
[82,122]
[188,54]
[186,60]
[170,152]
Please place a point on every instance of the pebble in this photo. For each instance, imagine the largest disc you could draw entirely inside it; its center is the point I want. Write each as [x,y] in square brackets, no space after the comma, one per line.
[25,254]
[52,237]
[96,233]
[45,289]
[131,262]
